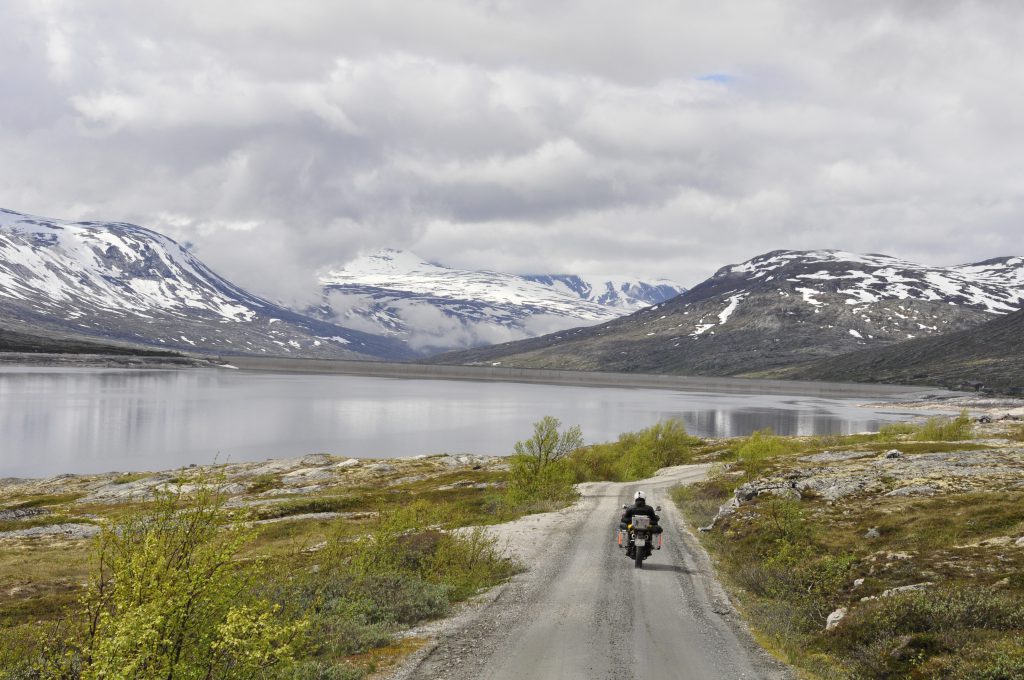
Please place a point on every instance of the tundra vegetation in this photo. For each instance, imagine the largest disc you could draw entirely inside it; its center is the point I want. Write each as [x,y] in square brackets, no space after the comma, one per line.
[893,555]
[311,568]
[319,568]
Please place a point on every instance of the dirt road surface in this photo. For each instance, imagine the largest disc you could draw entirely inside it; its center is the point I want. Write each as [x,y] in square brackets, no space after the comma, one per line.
[582,611]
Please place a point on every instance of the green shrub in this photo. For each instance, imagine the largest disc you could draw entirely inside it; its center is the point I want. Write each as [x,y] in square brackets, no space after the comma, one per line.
[892,431]
[635,455]
[892,635]
[944,429]
[753,453]
[168,599]
[363,590]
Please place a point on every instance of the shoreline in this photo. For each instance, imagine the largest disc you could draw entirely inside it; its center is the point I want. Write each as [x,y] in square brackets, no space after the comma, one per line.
[580,378]
[417,371]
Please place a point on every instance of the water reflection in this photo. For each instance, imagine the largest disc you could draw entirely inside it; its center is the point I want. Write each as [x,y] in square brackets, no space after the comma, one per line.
[89,420]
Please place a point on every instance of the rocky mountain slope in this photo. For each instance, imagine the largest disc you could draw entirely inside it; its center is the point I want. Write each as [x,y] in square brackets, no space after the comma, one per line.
[991,354]
[779,309]
[398,294]
[112,281]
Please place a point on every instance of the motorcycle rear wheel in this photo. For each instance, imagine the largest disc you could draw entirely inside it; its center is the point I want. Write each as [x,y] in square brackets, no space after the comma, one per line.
[638,553]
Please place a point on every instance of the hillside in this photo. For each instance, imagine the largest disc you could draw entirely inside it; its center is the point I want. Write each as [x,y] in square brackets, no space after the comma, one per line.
[992,353]
[776,310]
[114,282]
[17,341]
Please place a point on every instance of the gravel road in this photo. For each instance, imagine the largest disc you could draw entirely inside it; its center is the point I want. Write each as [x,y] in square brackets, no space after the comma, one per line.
[583,611]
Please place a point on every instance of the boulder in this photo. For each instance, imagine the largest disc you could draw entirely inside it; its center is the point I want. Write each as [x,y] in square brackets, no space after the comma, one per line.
[834,618]
[913,490]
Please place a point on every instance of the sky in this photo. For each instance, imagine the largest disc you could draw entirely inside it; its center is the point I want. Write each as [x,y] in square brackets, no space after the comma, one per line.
[659,139]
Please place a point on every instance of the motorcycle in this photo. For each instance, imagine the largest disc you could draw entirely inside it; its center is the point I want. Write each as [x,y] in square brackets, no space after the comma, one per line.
[639,539]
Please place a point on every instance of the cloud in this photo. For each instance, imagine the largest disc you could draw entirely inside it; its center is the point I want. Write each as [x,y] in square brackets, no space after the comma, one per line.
[662,139]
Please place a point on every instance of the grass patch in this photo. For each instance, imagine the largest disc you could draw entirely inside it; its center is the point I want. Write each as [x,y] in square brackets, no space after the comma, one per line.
[47,500]
[129,477]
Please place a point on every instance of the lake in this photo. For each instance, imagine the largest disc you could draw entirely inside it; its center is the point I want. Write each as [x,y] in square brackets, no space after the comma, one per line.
[82,420]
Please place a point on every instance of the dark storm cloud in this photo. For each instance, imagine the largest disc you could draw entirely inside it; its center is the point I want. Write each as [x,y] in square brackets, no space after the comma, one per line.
[661,138]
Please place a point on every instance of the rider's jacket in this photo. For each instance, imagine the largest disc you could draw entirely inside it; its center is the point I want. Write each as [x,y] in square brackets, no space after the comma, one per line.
[639,508]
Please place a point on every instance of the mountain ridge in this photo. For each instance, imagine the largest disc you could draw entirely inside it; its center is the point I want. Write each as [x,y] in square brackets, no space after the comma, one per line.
[397,293]
[114,281]
[779,309]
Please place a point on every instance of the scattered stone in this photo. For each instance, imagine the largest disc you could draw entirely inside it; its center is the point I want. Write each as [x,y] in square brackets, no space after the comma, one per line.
[893,453]
[315,459]
[72,531]
[351,462]
[897,591]
[305,476]
[296,518]
[835,456]
[834,618]
[857,583]
[872,533]
[22,513]
[914,490]
[382,468]
[1019,542]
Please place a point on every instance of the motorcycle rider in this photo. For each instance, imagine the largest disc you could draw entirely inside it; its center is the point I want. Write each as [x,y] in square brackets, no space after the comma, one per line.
[639,507]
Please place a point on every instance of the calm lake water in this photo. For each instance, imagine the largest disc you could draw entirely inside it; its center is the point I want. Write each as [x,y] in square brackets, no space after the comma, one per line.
[60,420]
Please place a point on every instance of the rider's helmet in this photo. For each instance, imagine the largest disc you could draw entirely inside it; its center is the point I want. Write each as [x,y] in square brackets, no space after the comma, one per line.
[640,496]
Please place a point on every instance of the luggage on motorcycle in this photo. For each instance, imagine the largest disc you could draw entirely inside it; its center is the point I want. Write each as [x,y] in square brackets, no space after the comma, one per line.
[622,538]
[641,522]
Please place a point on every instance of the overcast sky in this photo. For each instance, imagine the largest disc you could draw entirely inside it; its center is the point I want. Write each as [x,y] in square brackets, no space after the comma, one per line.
[652,138]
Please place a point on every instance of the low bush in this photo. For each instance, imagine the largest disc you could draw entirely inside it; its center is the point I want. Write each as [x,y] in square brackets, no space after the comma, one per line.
[893,431]
[753,453]
[944,429]
[635,455]
[896,636]
[360,591]
[1016,433]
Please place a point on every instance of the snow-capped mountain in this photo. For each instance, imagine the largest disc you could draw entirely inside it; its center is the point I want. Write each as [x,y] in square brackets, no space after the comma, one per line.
[397,293]
[781,308]
[117,281]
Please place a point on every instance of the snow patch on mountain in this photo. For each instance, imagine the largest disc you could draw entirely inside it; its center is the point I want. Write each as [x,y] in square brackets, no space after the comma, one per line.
[123,282]
[995,286]
[397,293]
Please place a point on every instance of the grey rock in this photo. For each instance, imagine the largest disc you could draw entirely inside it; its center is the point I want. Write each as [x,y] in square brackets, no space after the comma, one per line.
[351,462]
[303,476]
[872,533]
[22,513]
[315,459]
[1019,542]
[72,531]
[893,453]
[836,456]
[898,590]
[834,618]
[914,490]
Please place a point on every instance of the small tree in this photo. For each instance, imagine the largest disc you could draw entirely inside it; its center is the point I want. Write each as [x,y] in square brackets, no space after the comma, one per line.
[547,445]
[538,469]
